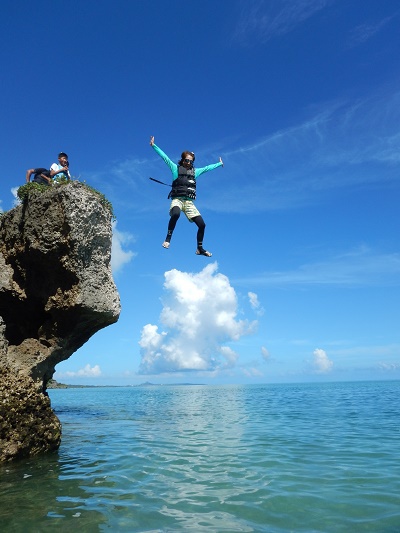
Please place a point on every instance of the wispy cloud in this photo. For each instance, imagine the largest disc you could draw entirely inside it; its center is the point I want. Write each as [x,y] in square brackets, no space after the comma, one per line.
[341,145]
[384,358]
[363,32]
[265,353]
[255,303]
[355,268]
[389,367]
[126,183]
[252,372]
[119,256]
[362,352]
[262,20]
[199,319]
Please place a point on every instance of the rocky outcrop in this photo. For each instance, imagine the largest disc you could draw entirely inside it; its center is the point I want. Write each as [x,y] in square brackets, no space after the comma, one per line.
[28,425]
[56,291]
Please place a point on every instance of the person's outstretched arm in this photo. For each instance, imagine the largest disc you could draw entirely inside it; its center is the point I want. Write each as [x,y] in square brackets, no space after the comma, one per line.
[172,166]
[199,171]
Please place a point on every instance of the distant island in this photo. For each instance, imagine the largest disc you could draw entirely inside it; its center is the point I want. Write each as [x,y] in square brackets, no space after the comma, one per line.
[53,384]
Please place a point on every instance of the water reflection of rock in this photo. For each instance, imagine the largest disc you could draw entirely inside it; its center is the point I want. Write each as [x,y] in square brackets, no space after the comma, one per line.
[35,494]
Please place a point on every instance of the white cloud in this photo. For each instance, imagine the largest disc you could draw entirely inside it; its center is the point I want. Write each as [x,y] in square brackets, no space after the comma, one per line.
[229,355]
[252,372]
[389,367]
[265,353]
[120,257]
[86,372]
[16,200]
[200,319]
[255,304]
[321,362]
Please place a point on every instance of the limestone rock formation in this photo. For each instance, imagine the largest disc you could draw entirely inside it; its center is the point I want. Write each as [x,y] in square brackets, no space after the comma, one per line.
[56,291]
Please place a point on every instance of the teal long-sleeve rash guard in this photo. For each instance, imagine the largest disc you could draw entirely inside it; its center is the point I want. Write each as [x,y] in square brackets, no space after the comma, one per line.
[174,167]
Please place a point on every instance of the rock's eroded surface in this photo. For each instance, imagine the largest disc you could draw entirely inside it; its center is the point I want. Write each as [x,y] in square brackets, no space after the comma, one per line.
[56,291]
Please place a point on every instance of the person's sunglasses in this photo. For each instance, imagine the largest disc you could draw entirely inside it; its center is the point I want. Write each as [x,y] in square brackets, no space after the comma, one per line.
[188,160]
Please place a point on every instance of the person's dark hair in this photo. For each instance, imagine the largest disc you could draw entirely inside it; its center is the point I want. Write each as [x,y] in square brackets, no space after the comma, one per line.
[184,155]
[62,154]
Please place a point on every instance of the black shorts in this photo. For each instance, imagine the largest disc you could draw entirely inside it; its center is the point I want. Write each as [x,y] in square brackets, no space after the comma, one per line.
[40,180]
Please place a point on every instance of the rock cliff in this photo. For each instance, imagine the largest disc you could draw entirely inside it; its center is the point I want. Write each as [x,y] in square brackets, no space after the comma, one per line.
[56,291]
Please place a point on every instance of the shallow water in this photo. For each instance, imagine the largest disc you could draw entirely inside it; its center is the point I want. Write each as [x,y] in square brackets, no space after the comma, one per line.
[273,458]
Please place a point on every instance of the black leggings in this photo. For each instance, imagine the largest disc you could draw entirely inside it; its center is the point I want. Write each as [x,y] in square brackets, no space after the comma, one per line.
[175,214]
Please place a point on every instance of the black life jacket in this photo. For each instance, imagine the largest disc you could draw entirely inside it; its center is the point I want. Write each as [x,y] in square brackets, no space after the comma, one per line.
[184,185]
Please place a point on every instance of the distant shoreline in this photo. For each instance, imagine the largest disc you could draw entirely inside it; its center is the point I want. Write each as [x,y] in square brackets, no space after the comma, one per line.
[53,384]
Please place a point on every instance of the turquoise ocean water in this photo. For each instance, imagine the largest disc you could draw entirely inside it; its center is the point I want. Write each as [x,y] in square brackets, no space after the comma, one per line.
[266,458]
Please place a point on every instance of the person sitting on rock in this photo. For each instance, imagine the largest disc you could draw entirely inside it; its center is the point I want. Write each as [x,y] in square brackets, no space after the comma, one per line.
[60,169]
[41,176]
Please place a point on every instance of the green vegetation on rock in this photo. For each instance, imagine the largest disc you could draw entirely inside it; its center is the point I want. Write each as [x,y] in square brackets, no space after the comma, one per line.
[24,191]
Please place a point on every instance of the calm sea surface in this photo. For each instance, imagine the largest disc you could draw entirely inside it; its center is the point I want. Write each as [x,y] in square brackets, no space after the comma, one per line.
[273,458]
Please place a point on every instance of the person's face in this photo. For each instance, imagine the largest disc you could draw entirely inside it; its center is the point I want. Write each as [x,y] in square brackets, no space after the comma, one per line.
[63,160]
[188,161]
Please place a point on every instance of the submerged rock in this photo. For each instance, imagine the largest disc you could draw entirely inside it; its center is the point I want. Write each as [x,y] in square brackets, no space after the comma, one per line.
[56,291]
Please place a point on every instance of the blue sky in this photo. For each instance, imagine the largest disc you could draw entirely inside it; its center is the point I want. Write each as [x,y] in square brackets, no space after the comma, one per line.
[301,99]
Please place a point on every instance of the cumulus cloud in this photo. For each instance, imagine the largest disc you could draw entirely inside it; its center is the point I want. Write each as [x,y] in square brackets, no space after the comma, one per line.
[322,364]
[265,353]
[199,320]
[86,372]
[119,256]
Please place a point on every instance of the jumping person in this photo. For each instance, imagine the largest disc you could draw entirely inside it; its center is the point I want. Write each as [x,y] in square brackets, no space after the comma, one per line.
[183,192]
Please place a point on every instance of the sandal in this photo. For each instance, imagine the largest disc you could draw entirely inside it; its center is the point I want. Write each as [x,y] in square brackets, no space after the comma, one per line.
[201,251]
